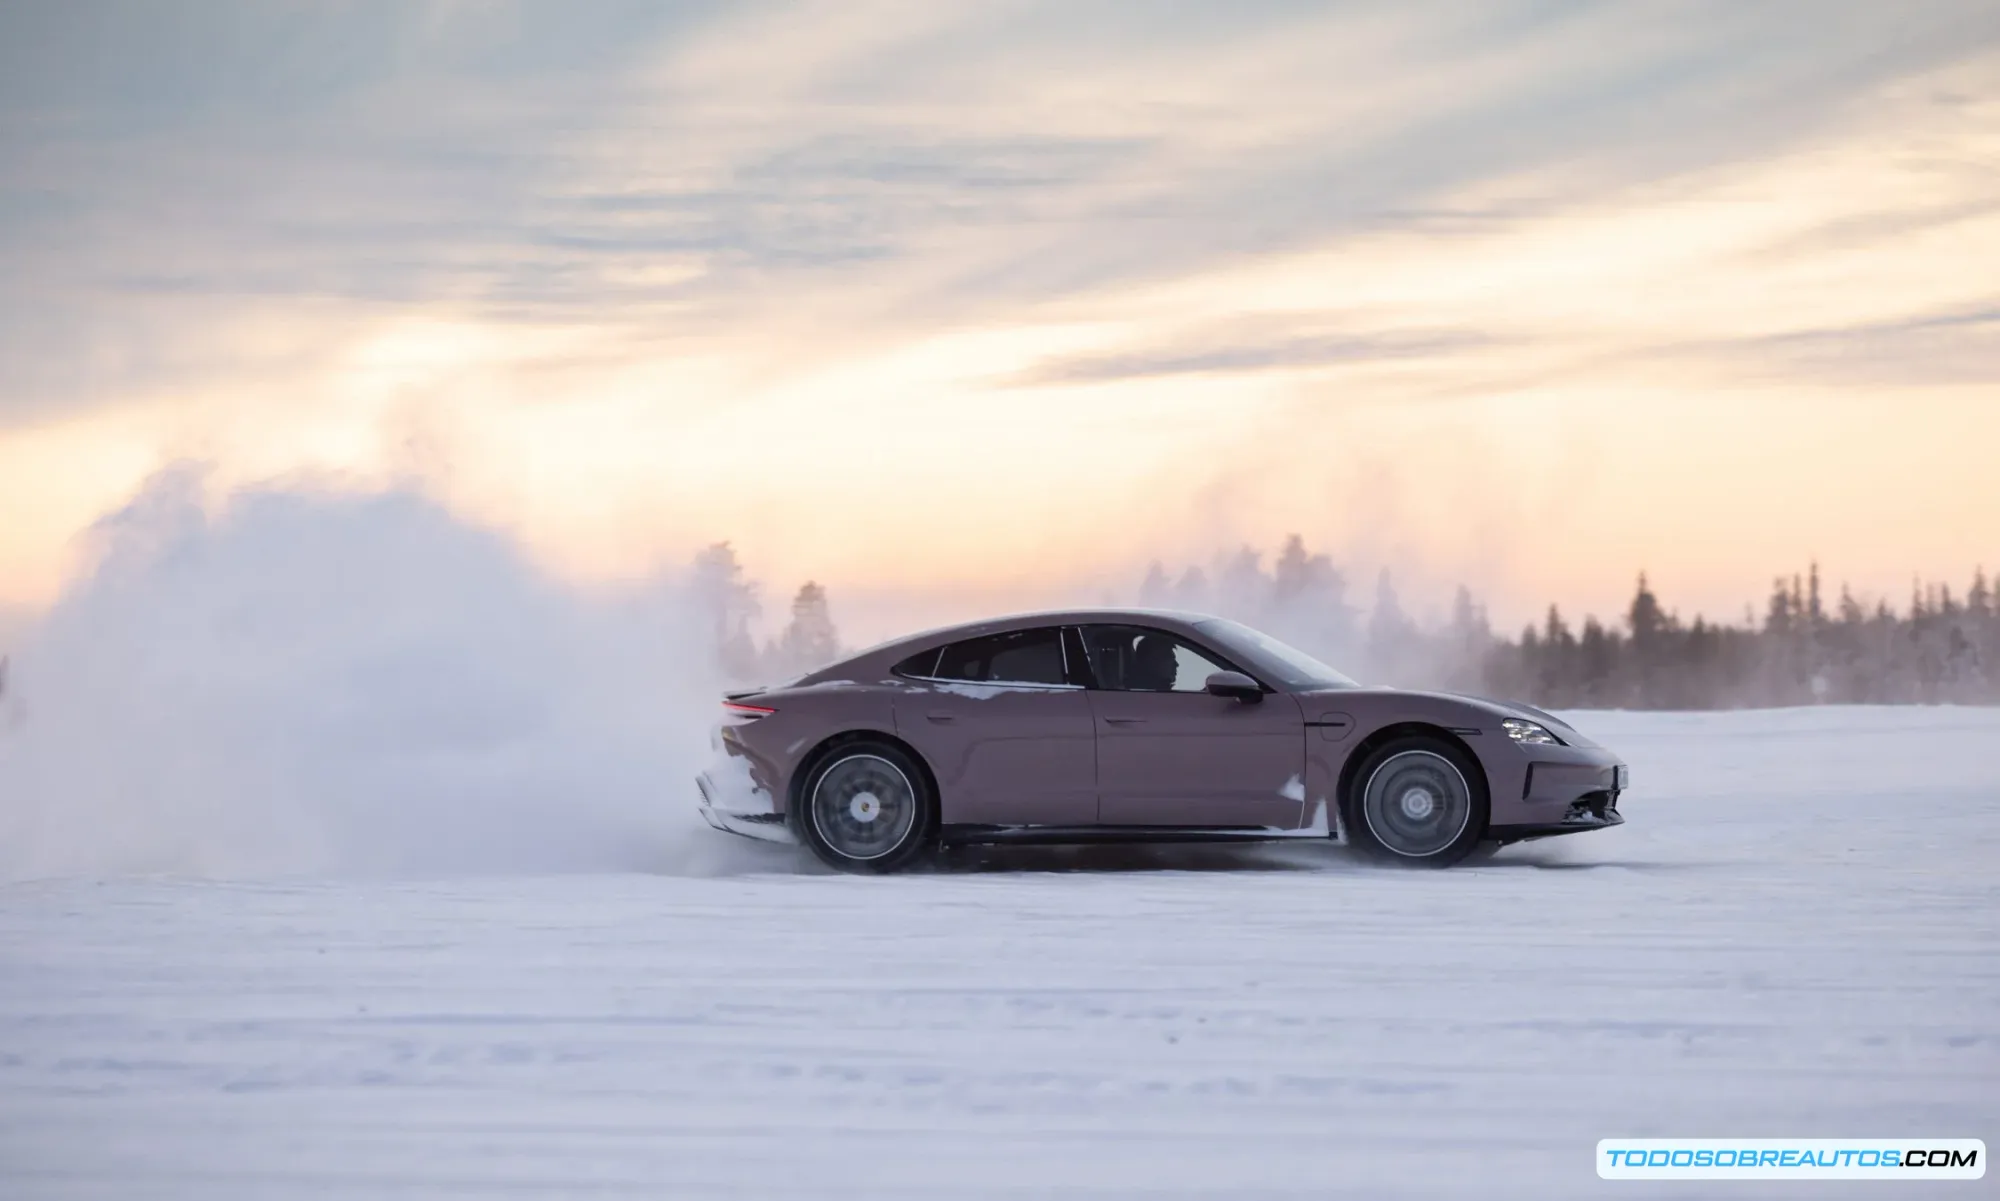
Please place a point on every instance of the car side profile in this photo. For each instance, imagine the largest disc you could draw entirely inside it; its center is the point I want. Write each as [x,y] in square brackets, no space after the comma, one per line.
[1128,725]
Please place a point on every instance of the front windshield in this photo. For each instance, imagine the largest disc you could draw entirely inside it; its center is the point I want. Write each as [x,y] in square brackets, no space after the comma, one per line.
[1289,664]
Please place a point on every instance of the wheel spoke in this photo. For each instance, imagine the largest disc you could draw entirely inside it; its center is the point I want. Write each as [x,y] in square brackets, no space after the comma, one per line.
[863,807]
[1417,803]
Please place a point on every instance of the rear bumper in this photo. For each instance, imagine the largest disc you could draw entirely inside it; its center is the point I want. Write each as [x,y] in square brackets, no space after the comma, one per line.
[732,815]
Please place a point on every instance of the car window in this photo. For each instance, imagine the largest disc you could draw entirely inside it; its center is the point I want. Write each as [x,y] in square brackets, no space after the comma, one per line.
[923,663]
[1017,657]
[1137,659]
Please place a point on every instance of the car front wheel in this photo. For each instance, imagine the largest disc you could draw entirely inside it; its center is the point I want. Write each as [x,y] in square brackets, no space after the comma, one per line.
[866,807]
[1419,801]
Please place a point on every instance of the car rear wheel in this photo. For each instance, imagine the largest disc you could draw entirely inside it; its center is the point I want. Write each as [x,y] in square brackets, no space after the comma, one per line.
[866,807]
[1419,801]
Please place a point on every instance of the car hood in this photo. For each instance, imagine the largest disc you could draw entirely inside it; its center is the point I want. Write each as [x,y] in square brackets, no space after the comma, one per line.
[1476,707]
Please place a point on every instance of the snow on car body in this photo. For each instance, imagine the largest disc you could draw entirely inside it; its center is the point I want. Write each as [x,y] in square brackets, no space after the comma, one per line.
[1137,725]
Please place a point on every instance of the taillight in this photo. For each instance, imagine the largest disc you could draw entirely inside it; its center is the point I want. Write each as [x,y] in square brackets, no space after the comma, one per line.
[738,709]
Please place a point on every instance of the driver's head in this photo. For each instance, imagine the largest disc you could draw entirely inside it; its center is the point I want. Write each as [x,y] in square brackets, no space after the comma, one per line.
[1153,666]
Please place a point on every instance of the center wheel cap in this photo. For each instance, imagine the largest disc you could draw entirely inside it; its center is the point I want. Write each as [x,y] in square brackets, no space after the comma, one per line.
[865,807]
[1417,804]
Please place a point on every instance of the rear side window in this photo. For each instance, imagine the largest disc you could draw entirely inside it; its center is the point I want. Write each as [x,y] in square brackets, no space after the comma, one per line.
[1018,657]
[923,663]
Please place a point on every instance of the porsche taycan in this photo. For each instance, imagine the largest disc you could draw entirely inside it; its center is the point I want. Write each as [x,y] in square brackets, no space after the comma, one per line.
[1125,725]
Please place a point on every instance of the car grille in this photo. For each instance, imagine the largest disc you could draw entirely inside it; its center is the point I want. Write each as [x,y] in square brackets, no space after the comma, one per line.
[1593,809]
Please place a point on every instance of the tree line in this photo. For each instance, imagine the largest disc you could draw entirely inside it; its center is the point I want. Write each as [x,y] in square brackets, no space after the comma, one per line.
[1941,649]
[1809,646]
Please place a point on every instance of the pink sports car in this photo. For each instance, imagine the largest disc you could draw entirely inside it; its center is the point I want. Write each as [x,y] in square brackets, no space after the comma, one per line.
[1140,726]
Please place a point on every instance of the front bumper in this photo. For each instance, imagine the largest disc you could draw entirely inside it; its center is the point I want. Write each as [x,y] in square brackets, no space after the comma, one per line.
[732,815]
[1553,790]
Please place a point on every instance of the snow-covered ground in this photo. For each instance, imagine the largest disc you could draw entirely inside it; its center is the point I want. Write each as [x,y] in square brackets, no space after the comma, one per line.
[1797,935]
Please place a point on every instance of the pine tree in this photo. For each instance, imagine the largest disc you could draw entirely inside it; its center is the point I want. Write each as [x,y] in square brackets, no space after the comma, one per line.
[1241,584]
[809,641]
[1812,650]
[1983,630]
[1847,676]
[1559,653]
[1469,650]
[1778,615]
[1597,653]
[1299,575]
[1697,685]
[1191,590]
[1468,618]
[1388,623]
[1644,617]
[730,603]
[1305,599]
[1851,612]
[1292,575]
[1646,622]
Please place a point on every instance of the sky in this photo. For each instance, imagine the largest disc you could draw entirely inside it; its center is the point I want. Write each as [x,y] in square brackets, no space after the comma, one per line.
[993,304]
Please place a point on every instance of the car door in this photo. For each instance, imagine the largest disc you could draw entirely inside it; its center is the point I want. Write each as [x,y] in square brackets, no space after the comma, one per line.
[1005,729]
[1170,754]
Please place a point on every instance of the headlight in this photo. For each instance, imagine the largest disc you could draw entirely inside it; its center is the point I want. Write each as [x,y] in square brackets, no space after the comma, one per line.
[1529,732]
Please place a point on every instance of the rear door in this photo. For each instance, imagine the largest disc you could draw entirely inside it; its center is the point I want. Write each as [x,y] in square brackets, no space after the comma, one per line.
[1006,729]
[1169,754]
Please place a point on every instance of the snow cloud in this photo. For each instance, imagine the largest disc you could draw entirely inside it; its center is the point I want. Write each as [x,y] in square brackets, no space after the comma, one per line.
[307,679]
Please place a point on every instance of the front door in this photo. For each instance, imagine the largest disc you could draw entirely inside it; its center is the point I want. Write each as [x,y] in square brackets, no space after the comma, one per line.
[1170,754]
[1008,735]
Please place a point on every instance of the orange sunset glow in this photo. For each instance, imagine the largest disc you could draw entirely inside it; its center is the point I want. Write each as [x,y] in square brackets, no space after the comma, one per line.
[978,307]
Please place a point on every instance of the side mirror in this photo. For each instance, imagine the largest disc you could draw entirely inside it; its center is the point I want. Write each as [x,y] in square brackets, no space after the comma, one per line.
[1236,686]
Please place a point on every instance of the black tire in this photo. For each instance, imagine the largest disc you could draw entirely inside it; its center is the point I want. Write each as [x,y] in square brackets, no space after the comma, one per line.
[1419,801]
[866,807]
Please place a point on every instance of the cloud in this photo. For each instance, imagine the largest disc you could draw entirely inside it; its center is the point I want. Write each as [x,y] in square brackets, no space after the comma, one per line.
[1944,349]
[608,251]
[897,170]
[1239,352]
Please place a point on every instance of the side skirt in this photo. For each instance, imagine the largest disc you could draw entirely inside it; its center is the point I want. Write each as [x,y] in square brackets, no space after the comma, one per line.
[978,835]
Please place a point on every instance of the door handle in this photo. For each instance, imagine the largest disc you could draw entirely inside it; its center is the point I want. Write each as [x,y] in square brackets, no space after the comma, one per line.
[1123,721]
[941,718]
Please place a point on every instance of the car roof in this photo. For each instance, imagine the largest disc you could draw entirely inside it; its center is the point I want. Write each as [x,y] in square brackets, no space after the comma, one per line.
[1083,616]
[1056,617]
